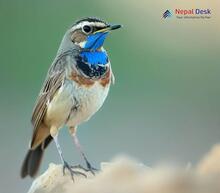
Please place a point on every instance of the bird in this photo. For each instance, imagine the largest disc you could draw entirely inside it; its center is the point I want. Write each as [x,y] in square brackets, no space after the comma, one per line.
[75,88]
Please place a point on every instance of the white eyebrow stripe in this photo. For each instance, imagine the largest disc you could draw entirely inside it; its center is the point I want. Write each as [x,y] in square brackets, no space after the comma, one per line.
[80,25]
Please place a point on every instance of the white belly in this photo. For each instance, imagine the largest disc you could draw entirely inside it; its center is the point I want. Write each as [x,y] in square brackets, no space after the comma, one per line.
[74,104]
[89,100]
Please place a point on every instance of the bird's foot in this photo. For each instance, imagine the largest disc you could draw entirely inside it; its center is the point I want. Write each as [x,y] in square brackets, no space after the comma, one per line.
[72,172]
[88,169]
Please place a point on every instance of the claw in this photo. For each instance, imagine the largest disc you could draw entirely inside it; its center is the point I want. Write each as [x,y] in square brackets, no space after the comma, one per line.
[72,172]
[79,167]
[90,168]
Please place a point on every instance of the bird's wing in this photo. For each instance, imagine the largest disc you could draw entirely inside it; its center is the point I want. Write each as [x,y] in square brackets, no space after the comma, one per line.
[53,82]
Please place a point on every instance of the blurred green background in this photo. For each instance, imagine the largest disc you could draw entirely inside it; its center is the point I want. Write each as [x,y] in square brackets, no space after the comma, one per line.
[164,105]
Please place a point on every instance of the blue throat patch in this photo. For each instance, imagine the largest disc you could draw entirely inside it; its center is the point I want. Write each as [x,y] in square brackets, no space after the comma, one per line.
[94,57]
[92,60]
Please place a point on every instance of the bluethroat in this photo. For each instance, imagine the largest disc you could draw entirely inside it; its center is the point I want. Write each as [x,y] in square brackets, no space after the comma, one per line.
[75,88]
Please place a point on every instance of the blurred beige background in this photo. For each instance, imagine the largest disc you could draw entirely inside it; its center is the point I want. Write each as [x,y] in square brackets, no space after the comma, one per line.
[165,103]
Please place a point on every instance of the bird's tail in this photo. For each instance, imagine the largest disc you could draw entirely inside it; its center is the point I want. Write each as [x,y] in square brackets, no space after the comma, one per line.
[33,159]
[32,162]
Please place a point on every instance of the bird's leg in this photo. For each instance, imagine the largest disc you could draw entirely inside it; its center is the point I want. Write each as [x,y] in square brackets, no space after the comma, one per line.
[79,148]
[65,164]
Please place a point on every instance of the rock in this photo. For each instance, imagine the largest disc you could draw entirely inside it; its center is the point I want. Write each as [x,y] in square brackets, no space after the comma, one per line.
[124,175]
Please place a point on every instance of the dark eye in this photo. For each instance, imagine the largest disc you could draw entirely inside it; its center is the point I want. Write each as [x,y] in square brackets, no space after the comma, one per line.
[87,29]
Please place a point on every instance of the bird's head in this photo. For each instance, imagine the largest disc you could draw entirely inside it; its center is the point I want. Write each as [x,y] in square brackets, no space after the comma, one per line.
[85,39]
[90,33]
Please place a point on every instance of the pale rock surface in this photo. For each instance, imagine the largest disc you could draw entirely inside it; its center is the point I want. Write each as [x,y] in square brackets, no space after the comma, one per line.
[124,175]
[210,164]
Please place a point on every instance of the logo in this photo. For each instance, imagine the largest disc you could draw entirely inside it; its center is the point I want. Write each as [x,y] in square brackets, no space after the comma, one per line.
[188,13]
[167,14]
[193,11]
